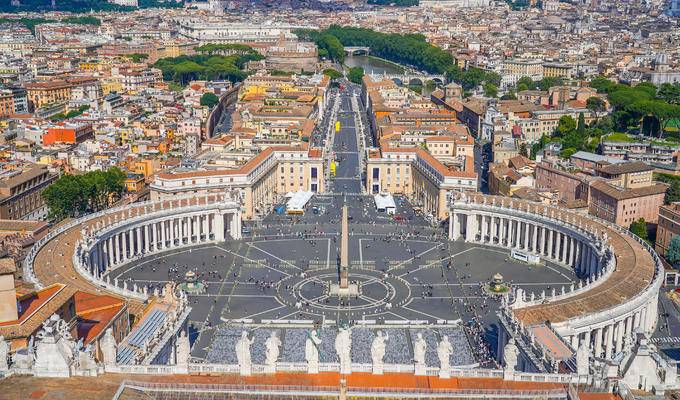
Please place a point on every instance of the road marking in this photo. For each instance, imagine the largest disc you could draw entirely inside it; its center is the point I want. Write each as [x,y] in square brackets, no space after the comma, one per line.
[436,261]
[420,312]
[361,253]
[277,258]
[328,255]
[254,261]
[263,312]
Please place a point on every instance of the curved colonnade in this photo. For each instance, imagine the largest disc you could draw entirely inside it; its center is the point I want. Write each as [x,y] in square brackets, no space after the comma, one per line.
[621,274]
[93,246]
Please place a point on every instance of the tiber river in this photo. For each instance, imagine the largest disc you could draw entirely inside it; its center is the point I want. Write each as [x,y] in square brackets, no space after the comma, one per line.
[373,65]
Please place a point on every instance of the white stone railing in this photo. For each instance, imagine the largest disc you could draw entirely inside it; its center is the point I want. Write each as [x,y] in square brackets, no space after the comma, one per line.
[590,283]
[199,368]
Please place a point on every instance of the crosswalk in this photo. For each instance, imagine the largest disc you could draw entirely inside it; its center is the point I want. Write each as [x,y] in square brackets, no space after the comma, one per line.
[668,339]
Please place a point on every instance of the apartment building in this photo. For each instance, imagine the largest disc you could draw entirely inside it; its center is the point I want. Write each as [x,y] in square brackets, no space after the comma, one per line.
[21,192]
[42,93]
[570,185]
[514,69]
[623,206]
[668,227]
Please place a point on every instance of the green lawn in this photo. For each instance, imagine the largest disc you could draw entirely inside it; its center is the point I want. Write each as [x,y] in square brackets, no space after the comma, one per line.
[619,137]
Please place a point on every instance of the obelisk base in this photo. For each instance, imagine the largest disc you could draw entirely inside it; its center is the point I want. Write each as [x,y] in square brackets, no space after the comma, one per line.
[351,290]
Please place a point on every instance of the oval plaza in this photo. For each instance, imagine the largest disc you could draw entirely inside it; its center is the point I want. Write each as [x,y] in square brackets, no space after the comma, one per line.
[319,296]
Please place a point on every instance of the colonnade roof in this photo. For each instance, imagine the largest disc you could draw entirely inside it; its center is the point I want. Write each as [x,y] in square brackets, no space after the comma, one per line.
[634,268]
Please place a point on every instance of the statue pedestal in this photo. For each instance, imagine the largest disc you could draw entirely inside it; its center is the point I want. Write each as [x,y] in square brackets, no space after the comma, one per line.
[312,368]
[338,290]
[377,369]
[245,370]
[445,373]
[420,370]
[270,368]
[345,369]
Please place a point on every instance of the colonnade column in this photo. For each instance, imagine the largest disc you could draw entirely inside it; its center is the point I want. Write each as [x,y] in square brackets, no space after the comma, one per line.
[146,239]
[619,335]
[154,234]
[609,342]
[525,233]
[485,229]
[598,342]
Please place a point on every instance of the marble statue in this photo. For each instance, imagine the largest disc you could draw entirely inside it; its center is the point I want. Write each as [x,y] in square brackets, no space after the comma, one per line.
[183,349]
[4,351]
[444,350]
[55,349]
[378,352]
[343,347]
[312,352]
[243,354]
[85,363]
[419,348]
[272,344]
[510,355]
[108,347]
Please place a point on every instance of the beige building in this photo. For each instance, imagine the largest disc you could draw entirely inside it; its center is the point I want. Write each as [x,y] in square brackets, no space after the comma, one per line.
[261,179]
[417,174]
[42,93]
[623,206]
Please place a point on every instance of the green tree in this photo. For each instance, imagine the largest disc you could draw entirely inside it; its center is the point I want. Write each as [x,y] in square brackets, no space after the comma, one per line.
[673,182]
[673,253]
[331,73]
[509,96]
[581,127]
[602,84]
[639,228]
[596,105]
[568,152]
[548,82]
[523,150]
[490,90]
[670,93]
[526,83]
[355,74]
[565,125]
[76,195]
[209,100]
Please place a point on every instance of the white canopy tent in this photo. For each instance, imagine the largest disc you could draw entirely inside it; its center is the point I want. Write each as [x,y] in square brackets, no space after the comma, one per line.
[297,201]
[384,202]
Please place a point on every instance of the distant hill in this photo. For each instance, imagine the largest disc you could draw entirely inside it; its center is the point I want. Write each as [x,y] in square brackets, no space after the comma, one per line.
[398,3]
[82,5]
